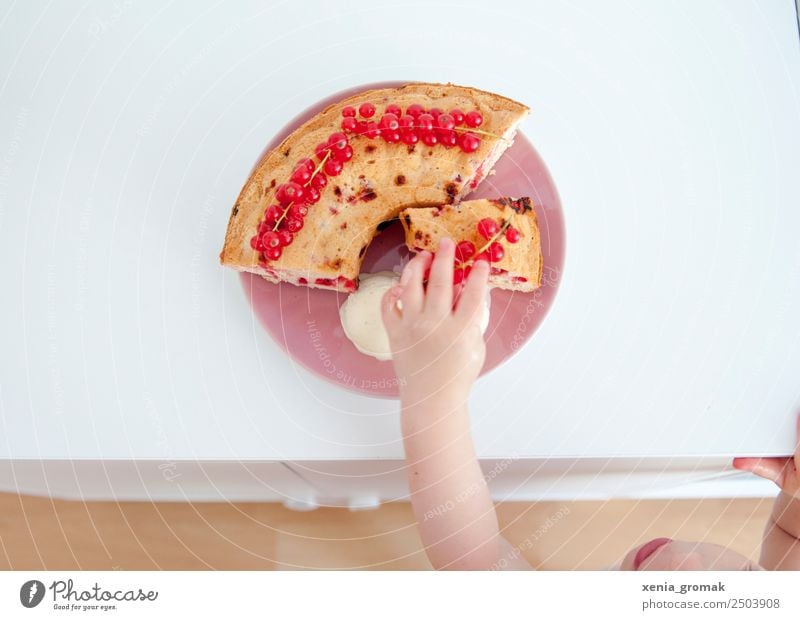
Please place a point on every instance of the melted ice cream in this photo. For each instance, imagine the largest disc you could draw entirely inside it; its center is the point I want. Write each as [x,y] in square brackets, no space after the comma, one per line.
[361,315]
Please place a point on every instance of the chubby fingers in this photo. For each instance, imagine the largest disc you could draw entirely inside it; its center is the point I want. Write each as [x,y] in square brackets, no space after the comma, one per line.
[439,294]
[782,470]
[413,293]
[473,296]
[771,468]
[390,311]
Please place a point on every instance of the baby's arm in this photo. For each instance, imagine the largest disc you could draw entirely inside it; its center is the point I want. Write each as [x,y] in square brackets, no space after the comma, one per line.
[455,514]
[438,353]
[781,547]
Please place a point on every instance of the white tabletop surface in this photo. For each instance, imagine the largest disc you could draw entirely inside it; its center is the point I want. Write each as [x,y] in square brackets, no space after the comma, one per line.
[672,130]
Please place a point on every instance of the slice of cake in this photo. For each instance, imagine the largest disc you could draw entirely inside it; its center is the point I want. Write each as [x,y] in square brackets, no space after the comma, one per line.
[312,206]
[504,231]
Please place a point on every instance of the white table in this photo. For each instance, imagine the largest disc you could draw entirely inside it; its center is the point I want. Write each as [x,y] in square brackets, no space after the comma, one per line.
[131,365]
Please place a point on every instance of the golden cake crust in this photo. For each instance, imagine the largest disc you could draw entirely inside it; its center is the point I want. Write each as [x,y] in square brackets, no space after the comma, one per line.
[381,180]
[424,227]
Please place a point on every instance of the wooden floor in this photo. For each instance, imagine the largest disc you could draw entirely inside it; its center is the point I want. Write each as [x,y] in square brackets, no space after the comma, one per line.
[37,533]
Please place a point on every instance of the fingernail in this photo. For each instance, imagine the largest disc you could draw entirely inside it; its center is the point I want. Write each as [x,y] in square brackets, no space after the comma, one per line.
[395,292]
[445,243]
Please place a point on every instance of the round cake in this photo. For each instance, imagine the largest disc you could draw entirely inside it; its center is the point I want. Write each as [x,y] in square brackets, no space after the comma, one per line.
[311,207]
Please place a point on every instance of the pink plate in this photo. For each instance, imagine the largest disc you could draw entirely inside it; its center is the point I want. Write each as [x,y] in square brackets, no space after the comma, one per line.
[305,322]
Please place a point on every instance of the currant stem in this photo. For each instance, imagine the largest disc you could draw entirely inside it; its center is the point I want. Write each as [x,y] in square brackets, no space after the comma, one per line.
[307,183]
[483,133]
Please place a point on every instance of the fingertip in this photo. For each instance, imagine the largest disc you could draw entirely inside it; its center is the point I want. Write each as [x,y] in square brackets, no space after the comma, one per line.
[390,298]
[414,268]
[481,267]
[397,291]
[423,255]
[481,262]
[446,244]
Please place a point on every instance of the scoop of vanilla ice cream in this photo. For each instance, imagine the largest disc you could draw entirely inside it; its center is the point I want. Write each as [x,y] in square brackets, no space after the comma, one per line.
[361,315]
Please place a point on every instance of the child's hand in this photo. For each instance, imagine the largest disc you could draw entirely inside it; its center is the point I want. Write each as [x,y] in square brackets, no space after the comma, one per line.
[437,350]
[783,471]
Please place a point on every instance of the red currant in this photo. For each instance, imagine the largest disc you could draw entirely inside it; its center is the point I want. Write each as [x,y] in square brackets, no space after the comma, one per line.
[389,122]
[482,256]
[301,176]
[407,122]
[425,122]
[415,110]
[312,195]
[394,109]
[458,275]
[270,239]
[272,215]
[372,130]
[322,149]
[473,119]
[429,139]
[307,164]
[333,167]
[345,155]
[348,111]
[487,228]
[409,137]
[349,124]
[496,252]
[337,141]
[299,211]
[286,237]
[255,243]
[469,142]
[367,110]
[435,113]
[293,224]
[464,251]
[273,253]
[458,115]
[448,138]
[390,136]
[319,180]
[446,122]
[513,235]
[289,192]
